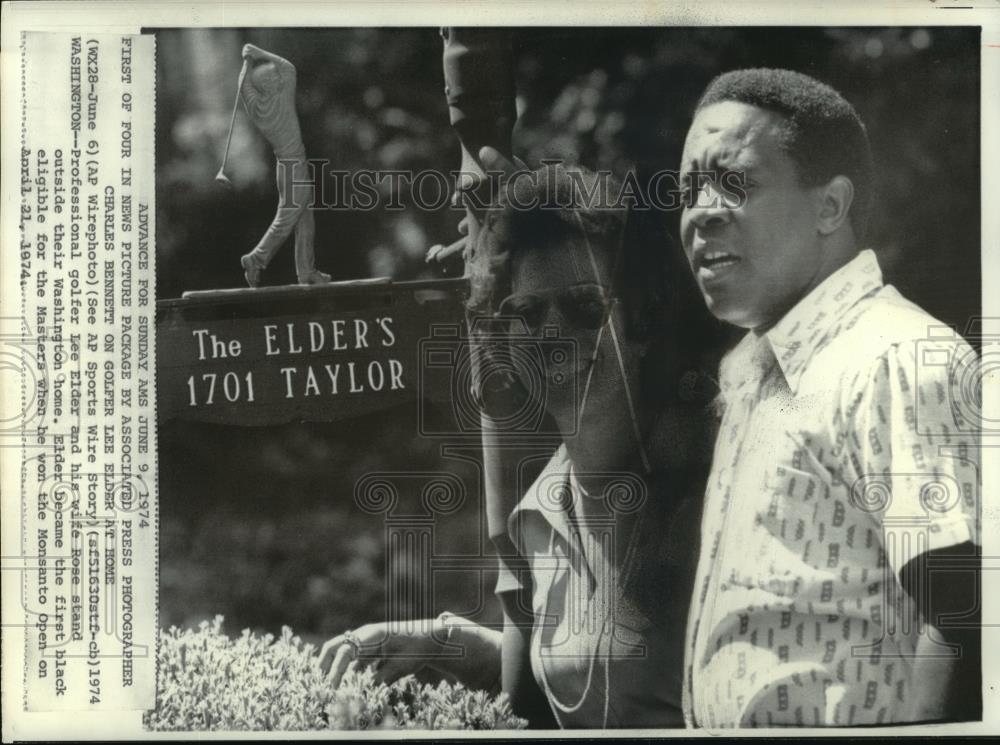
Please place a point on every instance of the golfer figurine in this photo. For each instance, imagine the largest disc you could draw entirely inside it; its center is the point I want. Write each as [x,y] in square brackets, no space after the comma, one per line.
[268,92]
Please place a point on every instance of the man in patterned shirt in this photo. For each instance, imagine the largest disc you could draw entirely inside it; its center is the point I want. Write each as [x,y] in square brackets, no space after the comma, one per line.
[844,469]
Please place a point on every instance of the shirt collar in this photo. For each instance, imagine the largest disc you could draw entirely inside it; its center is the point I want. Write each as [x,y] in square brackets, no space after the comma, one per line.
[794,340]
[547,494]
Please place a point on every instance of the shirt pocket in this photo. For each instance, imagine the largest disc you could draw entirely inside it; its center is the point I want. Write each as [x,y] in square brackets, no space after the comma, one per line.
[788,522]
[793,497]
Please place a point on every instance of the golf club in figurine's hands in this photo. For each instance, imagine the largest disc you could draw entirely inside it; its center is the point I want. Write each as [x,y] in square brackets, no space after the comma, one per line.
[267,88]
[221,176]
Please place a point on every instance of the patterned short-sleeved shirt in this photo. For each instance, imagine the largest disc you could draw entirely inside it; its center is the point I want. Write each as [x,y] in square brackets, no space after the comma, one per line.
[845,451]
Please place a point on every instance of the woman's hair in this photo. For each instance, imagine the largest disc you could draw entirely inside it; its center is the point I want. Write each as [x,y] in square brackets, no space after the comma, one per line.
[538,209]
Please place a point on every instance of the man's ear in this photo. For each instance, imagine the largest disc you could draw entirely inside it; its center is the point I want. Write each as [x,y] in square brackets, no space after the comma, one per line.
[835,203]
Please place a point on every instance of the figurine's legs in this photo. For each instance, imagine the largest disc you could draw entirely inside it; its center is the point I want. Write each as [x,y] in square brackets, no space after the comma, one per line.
[292,205]
[305,257]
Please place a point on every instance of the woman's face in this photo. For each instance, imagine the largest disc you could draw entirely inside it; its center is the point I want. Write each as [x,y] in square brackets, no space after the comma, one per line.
[571,323]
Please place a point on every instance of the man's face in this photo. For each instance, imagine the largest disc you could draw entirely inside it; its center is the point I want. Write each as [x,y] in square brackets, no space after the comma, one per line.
[753,261]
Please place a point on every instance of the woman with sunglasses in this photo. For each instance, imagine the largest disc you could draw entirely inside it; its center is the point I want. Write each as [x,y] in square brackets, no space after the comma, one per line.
[598,556]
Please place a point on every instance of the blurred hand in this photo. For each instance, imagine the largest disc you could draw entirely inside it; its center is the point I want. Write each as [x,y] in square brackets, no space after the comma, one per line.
[393,654]
[472,655]
[440,253]
[493,160]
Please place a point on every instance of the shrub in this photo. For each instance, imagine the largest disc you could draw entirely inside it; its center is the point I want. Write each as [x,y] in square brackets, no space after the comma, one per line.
[207,681]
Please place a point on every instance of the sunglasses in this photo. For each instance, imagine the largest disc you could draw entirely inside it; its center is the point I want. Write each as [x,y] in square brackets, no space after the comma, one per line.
[583,307]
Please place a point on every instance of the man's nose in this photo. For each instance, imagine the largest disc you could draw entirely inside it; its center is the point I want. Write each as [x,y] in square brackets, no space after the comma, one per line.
[710,209]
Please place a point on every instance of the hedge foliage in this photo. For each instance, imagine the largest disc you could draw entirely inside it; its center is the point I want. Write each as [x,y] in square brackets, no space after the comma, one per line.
[207,681]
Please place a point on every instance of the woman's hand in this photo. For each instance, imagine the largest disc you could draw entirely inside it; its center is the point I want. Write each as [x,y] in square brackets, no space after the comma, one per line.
[393,653]
[449,644]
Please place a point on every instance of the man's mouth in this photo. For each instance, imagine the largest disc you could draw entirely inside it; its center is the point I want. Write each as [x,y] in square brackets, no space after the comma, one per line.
[711,264]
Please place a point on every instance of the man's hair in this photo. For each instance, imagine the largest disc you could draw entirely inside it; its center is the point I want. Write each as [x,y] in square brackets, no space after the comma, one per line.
[821,131]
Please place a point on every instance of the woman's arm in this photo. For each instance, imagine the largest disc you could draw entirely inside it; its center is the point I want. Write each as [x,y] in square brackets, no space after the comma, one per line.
[402,649]
[481,649]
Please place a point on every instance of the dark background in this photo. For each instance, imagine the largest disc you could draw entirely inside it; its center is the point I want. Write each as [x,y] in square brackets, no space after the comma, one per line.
[260,524]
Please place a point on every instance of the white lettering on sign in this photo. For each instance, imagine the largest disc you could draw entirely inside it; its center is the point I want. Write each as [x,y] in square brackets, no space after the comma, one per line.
[338,335]
[238,385]
[217,348]
[376,375]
